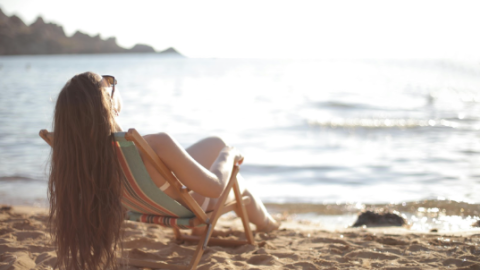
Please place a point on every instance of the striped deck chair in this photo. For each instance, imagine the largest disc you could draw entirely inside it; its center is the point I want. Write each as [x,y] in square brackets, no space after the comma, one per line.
[148,203]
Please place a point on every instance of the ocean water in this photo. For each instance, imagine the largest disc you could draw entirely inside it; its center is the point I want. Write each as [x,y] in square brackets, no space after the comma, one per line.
[316,131]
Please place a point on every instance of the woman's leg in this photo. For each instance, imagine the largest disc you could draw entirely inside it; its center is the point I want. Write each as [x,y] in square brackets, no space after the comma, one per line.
[256,211]
[205,152]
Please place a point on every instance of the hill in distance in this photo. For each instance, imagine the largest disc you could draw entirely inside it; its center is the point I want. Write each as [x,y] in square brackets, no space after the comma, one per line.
[17,38]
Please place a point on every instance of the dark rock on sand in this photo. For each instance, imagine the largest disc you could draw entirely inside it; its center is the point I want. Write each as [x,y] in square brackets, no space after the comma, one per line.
[476,224]
[5,208]
[372,219]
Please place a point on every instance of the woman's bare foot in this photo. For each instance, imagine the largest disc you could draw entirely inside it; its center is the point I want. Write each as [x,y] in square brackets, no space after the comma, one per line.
[271,225]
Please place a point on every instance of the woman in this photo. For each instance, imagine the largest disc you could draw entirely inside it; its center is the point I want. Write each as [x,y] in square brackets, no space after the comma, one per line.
[85,178]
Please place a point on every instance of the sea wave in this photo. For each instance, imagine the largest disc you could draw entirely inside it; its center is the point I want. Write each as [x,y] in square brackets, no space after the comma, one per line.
[258,168]
[388,123]
[13,178]
[342,105]
[430,207]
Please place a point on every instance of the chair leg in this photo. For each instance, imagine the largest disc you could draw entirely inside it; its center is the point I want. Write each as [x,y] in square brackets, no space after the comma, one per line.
[213,219]
[178,234]
[243,214]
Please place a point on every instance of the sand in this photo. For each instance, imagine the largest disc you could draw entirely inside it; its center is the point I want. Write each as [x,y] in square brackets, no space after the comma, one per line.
[25,244]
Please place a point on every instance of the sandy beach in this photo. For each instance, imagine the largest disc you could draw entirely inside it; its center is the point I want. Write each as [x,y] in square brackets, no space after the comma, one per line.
[25,244]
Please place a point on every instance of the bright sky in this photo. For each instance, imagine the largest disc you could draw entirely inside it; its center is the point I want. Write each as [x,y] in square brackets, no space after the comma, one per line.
[273,29]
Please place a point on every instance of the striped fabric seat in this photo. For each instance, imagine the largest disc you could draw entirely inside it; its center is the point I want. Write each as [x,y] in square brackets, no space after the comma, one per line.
[144,200]
[179,223]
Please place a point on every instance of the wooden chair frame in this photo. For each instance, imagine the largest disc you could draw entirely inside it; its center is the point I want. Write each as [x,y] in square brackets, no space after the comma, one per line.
[201,217]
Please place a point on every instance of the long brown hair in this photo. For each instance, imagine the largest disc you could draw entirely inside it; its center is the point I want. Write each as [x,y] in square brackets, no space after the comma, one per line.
[85,179]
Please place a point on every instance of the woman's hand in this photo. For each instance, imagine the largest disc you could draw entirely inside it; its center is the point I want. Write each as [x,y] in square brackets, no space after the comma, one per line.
[239,159]
[234,151]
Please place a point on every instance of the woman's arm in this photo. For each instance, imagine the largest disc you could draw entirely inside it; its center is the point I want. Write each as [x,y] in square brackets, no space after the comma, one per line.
[209,183]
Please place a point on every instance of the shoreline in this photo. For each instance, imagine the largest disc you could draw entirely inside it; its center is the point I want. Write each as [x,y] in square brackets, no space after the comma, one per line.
[445,216]
[25,244]
[288,222]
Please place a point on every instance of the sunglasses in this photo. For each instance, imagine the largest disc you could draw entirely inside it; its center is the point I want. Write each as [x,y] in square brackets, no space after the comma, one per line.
[111,81]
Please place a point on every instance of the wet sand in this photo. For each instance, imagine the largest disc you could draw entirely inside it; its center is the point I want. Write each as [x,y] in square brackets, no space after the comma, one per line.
[25,244]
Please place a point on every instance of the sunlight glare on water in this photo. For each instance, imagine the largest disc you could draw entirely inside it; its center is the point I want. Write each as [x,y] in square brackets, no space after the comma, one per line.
[310,130]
